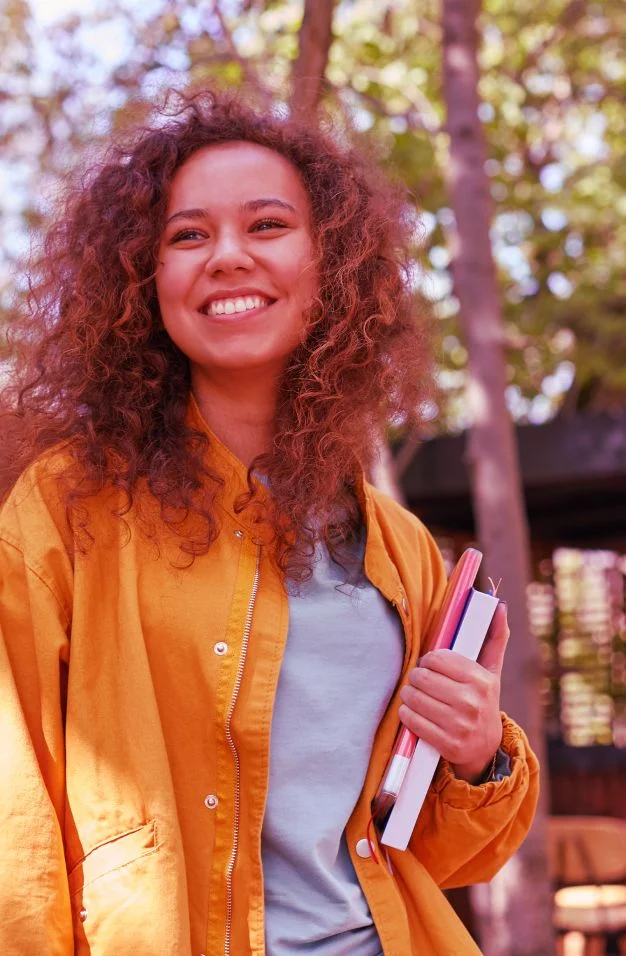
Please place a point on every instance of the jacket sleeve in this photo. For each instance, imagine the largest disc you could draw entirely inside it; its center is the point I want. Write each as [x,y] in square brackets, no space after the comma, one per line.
[34,650]
[464,833]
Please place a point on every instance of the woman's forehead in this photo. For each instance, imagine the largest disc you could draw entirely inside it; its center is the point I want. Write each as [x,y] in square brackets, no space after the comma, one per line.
[235,173]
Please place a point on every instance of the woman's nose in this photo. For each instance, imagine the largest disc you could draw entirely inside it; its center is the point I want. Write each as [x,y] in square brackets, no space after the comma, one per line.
[228,253]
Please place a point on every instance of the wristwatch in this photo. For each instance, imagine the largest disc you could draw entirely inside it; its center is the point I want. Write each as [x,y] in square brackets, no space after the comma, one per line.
[499,768]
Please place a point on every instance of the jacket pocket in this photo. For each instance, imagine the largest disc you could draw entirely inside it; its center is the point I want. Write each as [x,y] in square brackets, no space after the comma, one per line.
[128,899]
[112,855]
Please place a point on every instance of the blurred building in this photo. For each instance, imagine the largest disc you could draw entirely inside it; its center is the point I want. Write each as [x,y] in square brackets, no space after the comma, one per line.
[574,476]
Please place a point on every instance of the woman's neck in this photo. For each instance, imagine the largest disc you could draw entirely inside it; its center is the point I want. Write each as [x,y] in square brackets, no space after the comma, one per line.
[239,410]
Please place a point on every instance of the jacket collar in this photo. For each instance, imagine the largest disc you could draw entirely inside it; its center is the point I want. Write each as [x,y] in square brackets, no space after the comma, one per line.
[220,456]
[379,568]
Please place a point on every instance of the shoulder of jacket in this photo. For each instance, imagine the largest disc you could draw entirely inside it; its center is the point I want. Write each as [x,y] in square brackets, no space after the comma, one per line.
[413,549]
[37,498]
[395,514]
[41,473]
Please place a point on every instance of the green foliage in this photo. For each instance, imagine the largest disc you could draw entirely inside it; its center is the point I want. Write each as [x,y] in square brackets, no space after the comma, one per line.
[553,88]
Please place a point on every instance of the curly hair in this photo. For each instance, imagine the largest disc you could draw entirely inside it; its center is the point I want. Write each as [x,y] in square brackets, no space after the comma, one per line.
[94,366]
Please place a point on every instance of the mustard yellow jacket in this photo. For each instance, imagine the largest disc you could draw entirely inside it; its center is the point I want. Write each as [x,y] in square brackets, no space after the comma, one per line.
[135,722]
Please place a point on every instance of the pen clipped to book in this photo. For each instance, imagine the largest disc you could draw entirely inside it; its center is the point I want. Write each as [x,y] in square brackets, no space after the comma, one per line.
[461,625]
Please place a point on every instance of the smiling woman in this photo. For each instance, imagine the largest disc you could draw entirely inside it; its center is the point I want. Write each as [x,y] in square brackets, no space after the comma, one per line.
[209,619]
[245,261]
[173,219]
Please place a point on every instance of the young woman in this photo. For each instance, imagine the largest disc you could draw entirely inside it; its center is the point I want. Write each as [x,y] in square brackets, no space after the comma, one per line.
[210,621]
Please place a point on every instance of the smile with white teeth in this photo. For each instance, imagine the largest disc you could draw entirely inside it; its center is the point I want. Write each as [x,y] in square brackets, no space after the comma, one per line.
[230,306]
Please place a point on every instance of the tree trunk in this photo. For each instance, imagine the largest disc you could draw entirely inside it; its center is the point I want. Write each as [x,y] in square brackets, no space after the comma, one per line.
[384,474]
[310,66]
[514,911]
[307,85]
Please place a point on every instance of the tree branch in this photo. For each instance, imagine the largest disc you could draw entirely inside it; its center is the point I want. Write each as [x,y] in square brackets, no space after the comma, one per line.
[415,119]
[250,75]
[310,66]
[573,12]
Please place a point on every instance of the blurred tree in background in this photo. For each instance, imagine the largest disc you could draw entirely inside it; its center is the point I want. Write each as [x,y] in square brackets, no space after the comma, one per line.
[552,90]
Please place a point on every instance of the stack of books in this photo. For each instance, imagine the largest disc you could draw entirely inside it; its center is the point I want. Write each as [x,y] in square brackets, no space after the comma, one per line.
[461,626]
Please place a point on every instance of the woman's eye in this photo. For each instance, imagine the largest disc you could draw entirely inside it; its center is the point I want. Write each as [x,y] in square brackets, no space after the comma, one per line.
[187,234]
[264,224]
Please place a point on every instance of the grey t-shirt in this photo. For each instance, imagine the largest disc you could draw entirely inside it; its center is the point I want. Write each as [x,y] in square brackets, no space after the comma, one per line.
[343,659]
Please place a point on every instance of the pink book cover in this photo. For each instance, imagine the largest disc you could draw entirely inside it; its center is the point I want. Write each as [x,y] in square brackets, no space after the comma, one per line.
[445,626]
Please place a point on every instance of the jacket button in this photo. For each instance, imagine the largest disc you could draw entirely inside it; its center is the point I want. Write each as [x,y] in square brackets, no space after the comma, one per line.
[363,848]
[220,647]
[82,914]
[239,534]
[211,801]
[405,605]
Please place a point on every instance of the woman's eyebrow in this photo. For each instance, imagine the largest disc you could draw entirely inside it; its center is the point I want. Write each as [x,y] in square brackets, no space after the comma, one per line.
[252,206]
[255,204]
[188,214]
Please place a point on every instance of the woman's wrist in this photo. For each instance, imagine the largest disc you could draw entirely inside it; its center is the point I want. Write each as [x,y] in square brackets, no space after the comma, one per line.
[475,775]
[498,768]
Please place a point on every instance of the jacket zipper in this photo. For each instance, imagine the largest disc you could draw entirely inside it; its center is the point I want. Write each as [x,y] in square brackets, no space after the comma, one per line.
[231,743]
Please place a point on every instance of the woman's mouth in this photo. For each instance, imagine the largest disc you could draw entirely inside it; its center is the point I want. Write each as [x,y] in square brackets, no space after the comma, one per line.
[235,306]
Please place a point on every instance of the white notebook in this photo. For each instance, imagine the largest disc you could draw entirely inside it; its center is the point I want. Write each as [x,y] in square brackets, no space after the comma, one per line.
[469,638]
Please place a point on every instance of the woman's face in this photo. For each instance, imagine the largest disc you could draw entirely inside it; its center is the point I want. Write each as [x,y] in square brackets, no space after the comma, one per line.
[236,265]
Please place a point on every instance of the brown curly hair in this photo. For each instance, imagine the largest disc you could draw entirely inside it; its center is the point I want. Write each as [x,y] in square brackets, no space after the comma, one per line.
[94,364]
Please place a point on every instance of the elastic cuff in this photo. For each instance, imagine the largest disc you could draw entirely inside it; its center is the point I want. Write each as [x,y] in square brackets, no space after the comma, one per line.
[457,792]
